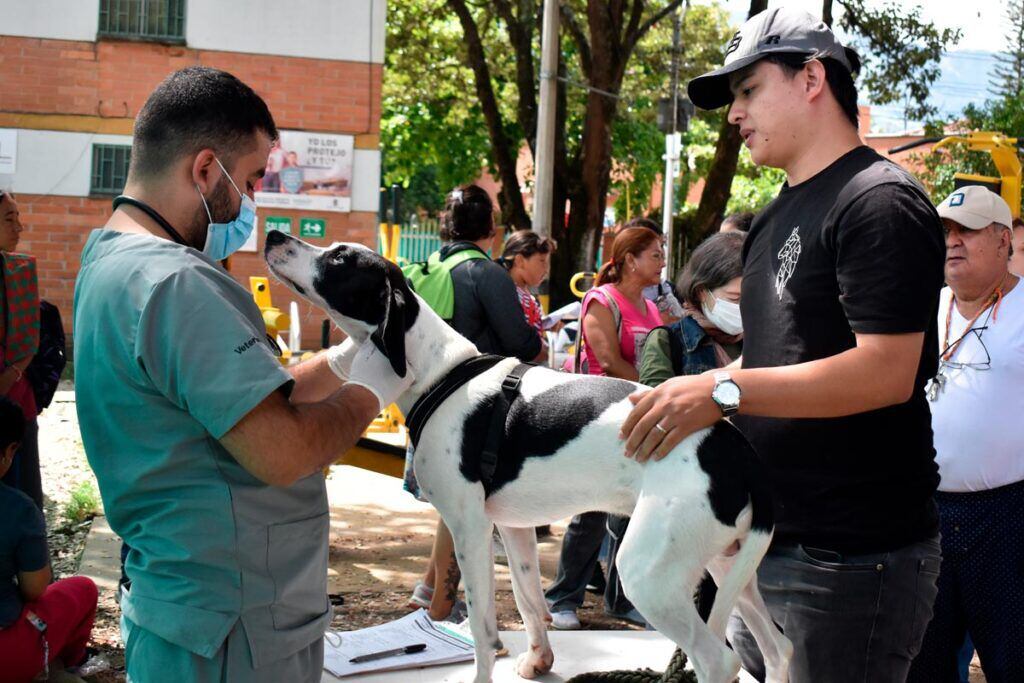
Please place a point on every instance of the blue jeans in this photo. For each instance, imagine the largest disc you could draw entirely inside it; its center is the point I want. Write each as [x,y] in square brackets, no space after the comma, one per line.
[580,548]
[852,619]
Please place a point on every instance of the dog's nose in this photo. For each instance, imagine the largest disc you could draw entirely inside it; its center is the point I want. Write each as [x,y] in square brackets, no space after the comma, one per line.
[275,237]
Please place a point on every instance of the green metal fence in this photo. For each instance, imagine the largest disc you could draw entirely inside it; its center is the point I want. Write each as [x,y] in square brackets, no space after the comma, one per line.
[418,241]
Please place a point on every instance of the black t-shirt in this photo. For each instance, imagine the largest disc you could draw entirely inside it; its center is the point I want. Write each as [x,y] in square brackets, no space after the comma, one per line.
[858,248]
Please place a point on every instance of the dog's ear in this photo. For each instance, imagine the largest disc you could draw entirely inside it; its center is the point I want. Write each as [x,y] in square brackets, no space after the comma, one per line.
[390,334]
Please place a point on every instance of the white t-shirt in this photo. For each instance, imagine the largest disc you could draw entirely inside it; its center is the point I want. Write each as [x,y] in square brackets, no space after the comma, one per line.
[977,417]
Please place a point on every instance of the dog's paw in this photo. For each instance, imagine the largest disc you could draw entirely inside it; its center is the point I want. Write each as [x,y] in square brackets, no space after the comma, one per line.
[536,662]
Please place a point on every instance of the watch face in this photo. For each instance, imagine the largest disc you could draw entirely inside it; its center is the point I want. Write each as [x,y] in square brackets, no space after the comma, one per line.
[727,393]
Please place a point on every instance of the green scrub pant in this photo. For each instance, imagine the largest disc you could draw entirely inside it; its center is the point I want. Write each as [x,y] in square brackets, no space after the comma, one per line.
[151,659]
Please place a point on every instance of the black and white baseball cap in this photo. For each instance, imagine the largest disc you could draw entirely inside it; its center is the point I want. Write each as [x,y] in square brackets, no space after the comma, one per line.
[774,31]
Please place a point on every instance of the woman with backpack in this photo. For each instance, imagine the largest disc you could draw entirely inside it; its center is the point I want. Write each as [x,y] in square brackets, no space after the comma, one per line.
[478,299]
[616,321]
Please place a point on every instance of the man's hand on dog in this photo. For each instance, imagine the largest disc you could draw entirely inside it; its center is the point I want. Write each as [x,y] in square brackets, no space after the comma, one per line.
[372,370]
[667,414]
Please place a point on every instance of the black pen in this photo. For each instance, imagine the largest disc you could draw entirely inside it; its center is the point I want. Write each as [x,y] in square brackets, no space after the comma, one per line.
[407,650]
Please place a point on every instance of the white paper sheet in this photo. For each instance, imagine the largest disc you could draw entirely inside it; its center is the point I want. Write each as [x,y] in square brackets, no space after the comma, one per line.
[446,644]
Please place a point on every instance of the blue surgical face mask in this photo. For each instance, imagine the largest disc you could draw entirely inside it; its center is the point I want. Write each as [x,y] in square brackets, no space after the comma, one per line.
[224,239]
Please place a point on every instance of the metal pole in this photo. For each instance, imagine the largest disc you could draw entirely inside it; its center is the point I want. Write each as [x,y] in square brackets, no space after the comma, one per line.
[672,145]
[544,163]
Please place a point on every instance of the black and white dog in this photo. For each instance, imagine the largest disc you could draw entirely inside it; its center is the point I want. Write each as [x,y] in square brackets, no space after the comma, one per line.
[560,456]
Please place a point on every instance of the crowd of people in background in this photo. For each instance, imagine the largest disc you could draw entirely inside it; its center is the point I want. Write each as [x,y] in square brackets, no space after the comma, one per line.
[881,403]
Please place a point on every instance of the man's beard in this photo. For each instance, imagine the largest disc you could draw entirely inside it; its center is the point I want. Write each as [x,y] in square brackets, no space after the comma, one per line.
[221,211]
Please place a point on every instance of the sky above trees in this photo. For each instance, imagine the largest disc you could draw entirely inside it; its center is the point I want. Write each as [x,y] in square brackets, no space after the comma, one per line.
[966,68]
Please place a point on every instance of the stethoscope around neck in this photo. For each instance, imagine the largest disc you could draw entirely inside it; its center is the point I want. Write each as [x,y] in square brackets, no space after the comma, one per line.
[152,213]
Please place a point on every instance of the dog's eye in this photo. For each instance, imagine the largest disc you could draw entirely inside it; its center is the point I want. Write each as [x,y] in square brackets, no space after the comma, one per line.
[338,254]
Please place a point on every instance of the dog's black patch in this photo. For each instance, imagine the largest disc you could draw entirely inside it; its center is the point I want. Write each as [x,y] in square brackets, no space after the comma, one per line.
[363,285]
[737,477]
[539,427]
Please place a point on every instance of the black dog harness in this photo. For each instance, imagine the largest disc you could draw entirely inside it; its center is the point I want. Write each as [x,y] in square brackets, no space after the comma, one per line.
[425,407]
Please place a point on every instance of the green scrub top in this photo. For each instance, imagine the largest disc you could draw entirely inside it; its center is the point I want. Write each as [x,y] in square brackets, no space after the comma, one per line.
[170,353]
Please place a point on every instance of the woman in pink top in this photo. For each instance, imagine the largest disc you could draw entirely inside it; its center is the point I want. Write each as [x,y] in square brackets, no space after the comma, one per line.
[616,321]
[612,340]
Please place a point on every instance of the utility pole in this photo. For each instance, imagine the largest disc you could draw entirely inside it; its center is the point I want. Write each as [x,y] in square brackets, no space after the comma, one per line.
[673,143]
[544,163]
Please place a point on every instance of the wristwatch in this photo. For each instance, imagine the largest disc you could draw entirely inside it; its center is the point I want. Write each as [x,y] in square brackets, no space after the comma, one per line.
[726,394]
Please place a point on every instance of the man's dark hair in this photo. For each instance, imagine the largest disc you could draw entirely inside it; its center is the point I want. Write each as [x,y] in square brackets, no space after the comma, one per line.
[714,263]
[840,81]
[643,222]
[740,221]
[194,109]
[468,215]
[12,423]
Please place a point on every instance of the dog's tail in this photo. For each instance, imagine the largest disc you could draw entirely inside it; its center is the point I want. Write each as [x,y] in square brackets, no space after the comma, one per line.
[752,547]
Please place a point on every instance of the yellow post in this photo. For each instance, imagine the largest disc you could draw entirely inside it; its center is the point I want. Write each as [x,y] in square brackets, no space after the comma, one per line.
[274,319]
[1003,150]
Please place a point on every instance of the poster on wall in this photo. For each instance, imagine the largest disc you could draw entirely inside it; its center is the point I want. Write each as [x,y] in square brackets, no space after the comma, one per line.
[8,151]
[308,171]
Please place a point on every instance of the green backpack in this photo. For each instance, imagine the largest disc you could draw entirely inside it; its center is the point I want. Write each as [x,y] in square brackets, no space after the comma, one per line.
[432,279]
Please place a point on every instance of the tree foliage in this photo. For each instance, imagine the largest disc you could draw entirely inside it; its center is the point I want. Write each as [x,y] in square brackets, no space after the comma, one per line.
[461,94]
[1008,75]
[900,52]
[1003,115]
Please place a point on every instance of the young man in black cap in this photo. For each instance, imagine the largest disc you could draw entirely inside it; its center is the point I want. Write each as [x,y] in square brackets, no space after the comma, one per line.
[841,278]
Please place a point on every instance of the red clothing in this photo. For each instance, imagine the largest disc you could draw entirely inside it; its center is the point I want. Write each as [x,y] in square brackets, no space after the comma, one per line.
[68,607]
[531,309]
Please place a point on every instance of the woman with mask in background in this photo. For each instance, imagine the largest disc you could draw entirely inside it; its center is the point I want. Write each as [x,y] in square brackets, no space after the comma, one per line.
[710,333]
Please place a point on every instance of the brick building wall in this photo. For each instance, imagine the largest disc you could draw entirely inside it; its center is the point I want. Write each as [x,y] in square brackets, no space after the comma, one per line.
[51,87]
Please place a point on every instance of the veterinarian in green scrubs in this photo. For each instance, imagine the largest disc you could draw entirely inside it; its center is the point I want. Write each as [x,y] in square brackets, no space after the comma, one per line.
[207,451]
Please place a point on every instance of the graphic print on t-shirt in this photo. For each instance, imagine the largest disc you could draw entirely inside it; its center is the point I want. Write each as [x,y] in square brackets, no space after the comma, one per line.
[788,256]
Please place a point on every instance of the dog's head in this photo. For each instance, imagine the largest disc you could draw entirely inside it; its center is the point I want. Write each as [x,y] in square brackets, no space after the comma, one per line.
[363,293]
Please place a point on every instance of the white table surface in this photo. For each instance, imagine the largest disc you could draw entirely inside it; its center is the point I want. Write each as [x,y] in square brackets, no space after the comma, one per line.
[576,652]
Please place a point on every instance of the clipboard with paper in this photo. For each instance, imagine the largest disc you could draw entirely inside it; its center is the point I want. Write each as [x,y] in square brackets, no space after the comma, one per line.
[446,644]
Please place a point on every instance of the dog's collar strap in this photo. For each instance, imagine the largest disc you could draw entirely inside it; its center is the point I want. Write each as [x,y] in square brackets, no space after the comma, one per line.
[436,395]
[499,419]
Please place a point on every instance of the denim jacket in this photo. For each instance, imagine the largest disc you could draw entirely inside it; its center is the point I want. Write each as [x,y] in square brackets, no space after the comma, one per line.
[682,348]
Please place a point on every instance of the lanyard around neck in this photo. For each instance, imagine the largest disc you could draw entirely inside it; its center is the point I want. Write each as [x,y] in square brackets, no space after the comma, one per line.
[993,302]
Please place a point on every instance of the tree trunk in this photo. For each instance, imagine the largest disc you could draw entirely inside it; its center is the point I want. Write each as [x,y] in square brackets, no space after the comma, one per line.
[718,186]
[826,12]
[505,153]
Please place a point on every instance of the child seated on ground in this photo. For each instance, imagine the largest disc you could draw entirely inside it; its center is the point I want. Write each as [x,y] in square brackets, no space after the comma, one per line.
[41,625]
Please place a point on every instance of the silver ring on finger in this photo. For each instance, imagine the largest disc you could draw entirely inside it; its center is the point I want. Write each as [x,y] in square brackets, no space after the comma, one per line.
[660,428]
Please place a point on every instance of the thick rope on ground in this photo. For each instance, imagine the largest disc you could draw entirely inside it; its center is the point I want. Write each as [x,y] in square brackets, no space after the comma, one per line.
[675,673]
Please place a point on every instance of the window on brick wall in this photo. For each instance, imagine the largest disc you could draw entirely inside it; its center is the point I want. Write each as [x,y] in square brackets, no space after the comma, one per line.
[109,168]
[161,21]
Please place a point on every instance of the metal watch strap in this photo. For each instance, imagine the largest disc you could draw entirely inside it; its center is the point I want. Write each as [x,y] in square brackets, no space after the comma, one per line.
[728,410]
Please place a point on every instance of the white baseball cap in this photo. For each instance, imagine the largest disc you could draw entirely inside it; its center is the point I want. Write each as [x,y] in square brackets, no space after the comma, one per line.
[975,207]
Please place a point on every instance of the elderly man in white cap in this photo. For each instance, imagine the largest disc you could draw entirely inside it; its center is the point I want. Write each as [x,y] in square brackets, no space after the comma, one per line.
[977,400]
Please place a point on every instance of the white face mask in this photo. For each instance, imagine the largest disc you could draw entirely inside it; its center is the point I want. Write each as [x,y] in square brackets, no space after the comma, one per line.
[725,315]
